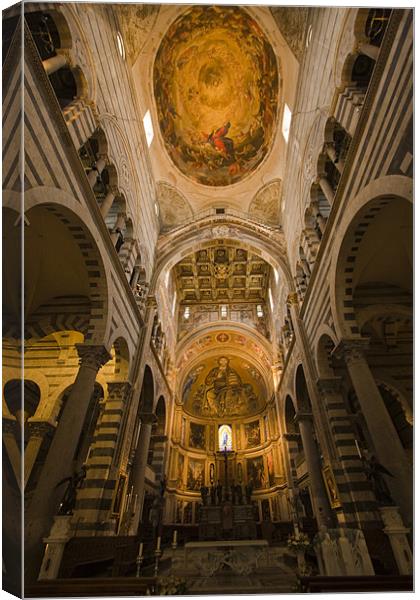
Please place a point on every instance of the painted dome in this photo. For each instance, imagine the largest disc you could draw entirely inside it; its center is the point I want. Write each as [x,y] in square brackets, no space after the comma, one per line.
[216,91]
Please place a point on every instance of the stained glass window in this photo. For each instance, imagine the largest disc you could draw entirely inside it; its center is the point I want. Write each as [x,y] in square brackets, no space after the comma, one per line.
[225,437]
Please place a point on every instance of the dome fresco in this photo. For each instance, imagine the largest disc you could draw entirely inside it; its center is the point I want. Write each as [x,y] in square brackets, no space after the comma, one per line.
[216,90]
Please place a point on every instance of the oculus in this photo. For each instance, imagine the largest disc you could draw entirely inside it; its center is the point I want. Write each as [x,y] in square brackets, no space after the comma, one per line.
[216,89]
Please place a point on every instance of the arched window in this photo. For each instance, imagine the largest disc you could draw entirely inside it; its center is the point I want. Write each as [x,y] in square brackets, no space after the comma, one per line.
[225,438]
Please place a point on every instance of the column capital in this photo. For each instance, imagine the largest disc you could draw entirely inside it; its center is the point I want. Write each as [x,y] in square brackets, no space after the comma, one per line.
[10,425]
[329,384]
[119,388]
[147,418]
[292,298]
[40,429]
[92,356]
[151,301]
[303,416]
[112,189]
[351,349]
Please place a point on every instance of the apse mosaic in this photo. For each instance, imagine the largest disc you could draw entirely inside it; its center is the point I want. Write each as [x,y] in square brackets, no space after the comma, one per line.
[222,387]
[216,90]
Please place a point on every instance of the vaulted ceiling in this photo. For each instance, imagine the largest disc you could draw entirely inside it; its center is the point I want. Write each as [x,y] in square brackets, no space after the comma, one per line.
[216,90]
[216,80]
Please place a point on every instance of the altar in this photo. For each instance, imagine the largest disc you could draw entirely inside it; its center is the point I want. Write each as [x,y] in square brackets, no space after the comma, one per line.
[227,521]
[240,556]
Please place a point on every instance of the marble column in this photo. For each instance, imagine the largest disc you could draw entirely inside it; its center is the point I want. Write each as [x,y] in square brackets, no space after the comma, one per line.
[59,462]
[339,164]
[108,201]
[118,225]
[96,170]
[139,466]
[53,64]
[327,189]
[38,431]
[388,447]
[319,496]
[346,457]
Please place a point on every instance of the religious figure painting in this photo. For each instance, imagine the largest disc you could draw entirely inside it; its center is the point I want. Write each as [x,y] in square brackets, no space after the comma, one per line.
[216,88]
[224,389]
[195,476]
[255,471]
[180,469]
[252,434]
[270,468]
[197,436]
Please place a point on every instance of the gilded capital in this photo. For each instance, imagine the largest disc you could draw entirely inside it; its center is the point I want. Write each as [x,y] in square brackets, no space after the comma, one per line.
[92,356]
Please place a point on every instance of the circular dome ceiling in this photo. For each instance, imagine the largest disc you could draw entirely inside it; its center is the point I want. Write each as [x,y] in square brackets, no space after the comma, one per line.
[216,91]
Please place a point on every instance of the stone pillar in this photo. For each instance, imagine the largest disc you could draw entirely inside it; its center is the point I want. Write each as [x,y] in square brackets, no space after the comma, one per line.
[388,448]
[357,493]
[97,170]
[54,549]
[53,64]
[108,201]
[327,189]
[397,534]
[118,225]
[139,464]
[313,462]
[38,431]
[59,461]
[334,158]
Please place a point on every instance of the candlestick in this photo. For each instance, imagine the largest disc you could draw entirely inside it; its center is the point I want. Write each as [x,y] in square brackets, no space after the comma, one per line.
[174,540]
[157,557]
[158,544]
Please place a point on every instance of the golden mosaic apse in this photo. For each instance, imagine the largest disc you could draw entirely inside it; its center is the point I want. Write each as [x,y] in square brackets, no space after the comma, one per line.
[216,91]
[224,386]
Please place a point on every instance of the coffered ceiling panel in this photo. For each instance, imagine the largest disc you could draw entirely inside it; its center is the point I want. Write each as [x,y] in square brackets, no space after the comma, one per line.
[221,274]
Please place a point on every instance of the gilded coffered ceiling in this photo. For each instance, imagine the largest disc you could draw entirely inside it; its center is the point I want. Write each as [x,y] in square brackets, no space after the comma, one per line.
[216,90]
[221,274]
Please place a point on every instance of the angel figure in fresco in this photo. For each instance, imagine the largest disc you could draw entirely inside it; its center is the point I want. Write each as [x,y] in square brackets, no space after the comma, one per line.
[223,144]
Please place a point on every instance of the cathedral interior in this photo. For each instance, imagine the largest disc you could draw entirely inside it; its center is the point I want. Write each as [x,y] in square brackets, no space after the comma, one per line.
[208,371]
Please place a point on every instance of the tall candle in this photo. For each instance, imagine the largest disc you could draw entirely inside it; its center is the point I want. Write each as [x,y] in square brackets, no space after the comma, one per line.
[141,549]
[175,537]
[158,544]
